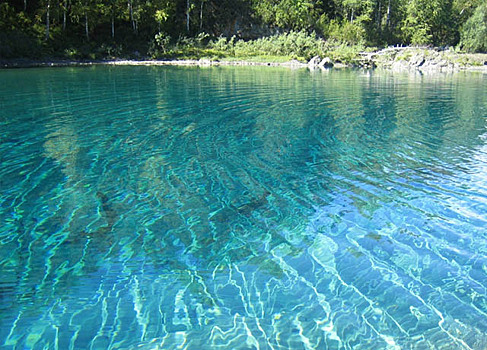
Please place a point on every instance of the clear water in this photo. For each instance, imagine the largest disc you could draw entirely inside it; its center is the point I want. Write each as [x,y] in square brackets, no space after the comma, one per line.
[230,208]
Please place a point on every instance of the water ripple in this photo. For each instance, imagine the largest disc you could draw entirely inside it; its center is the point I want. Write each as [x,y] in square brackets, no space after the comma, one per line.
[169,208]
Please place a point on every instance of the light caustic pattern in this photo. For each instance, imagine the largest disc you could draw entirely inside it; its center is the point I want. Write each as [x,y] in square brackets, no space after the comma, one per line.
[226,208]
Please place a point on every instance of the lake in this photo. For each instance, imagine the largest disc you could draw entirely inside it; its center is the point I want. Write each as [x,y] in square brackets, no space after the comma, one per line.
[242,208]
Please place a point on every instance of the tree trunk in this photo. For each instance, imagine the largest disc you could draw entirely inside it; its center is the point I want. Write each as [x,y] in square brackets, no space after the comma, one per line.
[65,12]
[351,16]
[388,14]
[187,16]
[25,5]
[86,27]
[201,14]
[113,26]
[131,10]
[47,18]
[379,16]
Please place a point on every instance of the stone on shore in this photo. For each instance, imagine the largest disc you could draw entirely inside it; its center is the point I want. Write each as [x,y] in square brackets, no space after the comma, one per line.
[326,63]
[314,62]
[417,60]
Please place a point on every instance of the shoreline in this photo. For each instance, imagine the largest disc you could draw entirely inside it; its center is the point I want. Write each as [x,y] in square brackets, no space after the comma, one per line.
[401,59]
[23,63]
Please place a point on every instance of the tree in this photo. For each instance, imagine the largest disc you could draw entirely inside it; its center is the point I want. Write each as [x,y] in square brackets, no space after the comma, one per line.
[85,11]
[189,7]
[286,14]
[474,31]
[384,16]
[432,22]
[48,12]
[65,6]
[112,10]
[428,22]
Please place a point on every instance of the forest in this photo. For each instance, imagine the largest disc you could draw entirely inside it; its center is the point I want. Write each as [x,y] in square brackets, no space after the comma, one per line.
[168,28]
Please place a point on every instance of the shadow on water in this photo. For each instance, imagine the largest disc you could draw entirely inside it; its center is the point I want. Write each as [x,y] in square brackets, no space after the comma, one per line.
[109,214]
[213,169]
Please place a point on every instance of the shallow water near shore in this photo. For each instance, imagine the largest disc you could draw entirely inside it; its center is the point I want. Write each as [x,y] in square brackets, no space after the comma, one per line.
[242,208]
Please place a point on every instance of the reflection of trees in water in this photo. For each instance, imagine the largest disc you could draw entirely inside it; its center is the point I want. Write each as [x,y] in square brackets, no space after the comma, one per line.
[190,187]
[215,206]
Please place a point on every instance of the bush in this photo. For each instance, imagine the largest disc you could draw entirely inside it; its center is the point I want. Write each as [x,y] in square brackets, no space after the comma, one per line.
[110,50]
[346,32]
[294,44]
[298,45]
[342,52]
[221,44]
[160,45]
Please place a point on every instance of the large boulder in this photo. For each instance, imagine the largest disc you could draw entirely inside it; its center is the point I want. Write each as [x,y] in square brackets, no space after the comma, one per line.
[326,63]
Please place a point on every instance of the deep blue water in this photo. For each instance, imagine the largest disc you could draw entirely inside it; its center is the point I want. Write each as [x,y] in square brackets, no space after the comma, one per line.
[242,208]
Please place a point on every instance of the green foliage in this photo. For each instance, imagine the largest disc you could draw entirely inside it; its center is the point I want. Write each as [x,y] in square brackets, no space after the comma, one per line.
[277,27]
[294,14]
[162,41]
[221,44]
[110,50]
[403,56]
[474,31]
[428,22]
[11,20]
[420,35]
[342,52]
[287,14]
[346,32]
[293,44]
[161,16]
[360,11]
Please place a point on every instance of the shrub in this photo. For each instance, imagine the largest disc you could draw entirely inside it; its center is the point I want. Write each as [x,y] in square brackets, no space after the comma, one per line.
[347,32]
[160,45]
[294,44]
[342,52]
[221,44]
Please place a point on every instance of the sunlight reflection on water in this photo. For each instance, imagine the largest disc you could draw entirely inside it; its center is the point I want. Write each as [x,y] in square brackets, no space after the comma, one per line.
[202,208]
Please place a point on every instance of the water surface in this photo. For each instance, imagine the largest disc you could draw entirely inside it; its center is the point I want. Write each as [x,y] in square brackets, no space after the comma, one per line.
[242,208]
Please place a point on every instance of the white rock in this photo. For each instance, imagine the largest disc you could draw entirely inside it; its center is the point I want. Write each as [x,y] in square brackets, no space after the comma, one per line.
[326,63]
[314,61]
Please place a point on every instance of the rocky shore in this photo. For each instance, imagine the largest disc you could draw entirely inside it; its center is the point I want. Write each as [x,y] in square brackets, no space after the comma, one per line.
[393,58]
[412,58]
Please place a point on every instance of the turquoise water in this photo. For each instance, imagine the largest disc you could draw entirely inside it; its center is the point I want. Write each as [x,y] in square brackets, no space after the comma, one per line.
[242,208]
